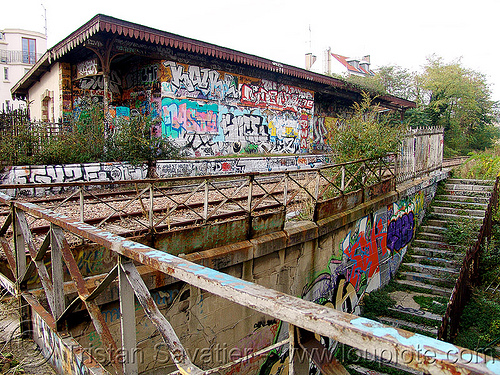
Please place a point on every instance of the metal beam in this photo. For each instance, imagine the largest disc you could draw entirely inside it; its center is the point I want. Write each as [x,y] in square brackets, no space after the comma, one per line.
[177,351]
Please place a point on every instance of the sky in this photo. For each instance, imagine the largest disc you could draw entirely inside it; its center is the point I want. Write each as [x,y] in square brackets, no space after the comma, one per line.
[392,32]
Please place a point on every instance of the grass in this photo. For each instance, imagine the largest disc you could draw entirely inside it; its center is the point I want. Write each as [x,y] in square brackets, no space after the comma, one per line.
[433,304]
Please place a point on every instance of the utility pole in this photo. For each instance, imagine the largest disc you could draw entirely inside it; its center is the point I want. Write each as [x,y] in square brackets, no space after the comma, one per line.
[44,15]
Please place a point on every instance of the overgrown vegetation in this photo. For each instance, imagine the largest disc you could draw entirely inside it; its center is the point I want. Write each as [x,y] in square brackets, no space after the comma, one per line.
[87,139]
[366,132]
[481,165]
[480,320]
[448,95]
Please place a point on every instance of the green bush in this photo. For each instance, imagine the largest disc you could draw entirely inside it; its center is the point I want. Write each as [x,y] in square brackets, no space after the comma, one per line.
[86,140]
[366,132]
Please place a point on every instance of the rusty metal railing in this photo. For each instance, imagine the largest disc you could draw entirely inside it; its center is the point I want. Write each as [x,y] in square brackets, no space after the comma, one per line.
[469,273]
[305,319]
[153,205]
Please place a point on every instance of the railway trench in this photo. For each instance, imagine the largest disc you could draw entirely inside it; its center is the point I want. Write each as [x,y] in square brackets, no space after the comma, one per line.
[199,270]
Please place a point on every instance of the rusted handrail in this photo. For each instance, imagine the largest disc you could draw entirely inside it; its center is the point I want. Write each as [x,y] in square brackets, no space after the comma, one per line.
[468,275]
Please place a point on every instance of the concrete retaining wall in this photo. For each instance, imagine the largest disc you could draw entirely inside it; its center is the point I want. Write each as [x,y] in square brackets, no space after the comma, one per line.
[164,168]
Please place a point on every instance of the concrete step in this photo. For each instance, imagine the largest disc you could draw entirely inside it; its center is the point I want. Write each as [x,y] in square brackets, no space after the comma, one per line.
[431,244]
[463,198]
[437,223]
[360,370]
[442,216]
[415,312]
[429,236]
[433,229]
[469,181]
[426,278]
[434,253]
[457,211]
[430,288]
[460,205]
[437,271]
[409,326]
[395,368]
[468,193]
[447,263]
[468,187]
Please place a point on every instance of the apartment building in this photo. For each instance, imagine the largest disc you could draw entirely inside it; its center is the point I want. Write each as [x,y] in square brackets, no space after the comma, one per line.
[19,51]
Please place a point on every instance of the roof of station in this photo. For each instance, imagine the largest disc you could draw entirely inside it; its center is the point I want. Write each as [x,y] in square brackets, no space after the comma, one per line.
[102,24]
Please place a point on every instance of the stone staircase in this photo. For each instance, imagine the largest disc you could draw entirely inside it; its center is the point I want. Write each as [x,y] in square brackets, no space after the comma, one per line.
[425,280]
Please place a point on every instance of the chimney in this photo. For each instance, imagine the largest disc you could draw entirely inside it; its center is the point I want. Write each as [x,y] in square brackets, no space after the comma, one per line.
[327,63]
[310,60]
[366,58]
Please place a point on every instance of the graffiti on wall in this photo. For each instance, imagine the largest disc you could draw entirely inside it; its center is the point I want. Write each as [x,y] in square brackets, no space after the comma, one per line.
[209,112]
[191,81]
[366,259]
[184,116]
[61,354]
[164,168]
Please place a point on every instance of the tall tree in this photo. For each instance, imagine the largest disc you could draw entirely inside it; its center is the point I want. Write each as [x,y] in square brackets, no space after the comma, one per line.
[459,99]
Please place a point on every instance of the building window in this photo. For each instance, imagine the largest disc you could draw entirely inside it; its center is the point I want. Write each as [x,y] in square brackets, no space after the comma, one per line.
[29,51]
[6,74]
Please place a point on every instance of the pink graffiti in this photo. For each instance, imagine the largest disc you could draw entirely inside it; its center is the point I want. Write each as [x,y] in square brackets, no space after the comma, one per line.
[304,131]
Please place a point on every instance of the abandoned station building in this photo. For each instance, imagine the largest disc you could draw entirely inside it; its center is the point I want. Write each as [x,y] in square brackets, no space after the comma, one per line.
[214,100]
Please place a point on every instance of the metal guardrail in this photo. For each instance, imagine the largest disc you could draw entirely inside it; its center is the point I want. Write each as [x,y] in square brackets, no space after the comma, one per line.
[304,318]
[469,273]
[203,198]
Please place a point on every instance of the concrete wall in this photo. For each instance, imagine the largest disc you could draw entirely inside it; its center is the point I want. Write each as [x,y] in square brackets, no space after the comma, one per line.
[332,262]
[164,168]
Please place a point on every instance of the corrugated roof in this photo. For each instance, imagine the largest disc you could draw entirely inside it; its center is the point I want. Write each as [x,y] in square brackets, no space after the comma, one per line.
[103,23]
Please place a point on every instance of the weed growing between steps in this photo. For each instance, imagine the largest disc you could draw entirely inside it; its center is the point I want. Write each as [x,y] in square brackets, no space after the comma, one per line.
[434,304]
[378,302]
[461,231]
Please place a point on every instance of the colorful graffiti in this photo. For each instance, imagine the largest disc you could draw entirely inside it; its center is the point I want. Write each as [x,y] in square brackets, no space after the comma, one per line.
[192,81]
[366,259]
[207,112]
[232,113]
[187,116]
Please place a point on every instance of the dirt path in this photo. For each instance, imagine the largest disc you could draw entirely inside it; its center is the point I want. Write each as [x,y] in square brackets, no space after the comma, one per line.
[18,356]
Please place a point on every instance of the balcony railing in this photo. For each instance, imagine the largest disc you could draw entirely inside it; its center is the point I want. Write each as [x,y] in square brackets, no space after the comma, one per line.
[19,57]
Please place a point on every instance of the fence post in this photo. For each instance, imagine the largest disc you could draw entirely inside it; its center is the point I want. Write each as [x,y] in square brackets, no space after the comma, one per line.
[298,362]
[396,171]
[250,191]
[19,246]
[57,274]
[285,191]
[127,321]
[342,181]
[205,202]
[151,210]
[316,189]
[82,205]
